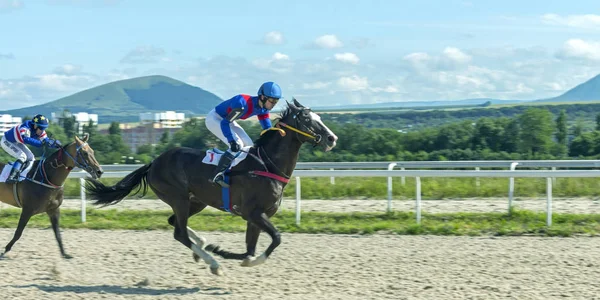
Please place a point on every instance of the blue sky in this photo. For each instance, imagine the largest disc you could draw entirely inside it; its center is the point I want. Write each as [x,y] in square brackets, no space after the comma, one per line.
[321,52]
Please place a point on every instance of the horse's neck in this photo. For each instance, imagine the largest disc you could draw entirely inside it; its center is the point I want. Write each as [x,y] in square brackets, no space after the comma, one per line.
[283,153]
[53,170]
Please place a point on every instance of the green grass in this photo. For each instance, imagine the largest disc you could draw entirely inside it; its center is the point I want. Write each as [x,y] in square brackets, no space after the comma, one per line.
[432,188]
[456,224]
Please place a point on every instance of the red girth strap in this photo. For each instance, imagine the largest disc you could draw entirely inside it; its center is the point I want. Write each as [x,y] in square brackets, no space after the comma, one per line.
[271,175]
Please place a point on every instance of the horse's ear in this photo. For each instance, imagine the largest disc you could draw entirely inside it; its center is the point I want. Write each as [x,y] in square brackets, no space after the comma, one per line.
[86,136]
[77,140]
[292,105]
[297,103]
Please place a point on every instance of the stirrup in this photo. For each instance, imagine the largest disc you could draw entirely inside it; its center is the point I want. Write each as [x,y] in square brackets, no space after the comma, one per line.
[13,179]
[220,180]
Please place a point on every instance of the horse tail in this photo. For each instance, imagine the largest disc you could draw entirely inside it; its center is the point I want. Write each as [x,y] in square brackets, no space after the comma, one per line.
[108,195]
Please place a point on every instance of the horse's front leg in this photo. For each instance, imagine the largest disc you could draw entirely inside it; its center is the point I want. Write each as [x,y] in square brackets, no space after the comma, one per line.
[23,220]
[260,220]
[252,233]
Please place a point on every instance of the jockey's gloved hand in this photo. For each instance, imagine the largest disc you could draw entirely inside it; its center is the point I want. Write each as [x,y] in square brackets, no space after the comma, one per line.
[52,143]
[235,147]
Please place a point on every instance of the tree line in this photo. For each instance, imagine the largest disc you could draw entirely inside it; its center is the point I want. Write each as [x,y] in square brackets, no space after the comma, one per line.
[536,133]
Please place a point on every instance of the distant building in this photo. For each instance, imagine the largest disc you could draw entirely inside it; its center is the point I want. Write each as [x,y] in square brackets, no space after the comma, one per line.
[166,119]
[8,121]
[147,134]
[81,119]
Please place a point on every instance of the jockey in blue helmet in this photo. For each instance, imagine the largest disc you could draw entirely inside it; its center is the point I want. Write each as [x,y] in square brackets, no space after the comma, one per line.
[221,121]
[31,132]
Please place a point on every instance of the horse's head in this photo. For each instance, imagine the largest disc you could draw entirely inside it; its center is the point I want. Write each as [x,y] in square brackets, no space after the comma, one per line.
[308,126]
[82,156]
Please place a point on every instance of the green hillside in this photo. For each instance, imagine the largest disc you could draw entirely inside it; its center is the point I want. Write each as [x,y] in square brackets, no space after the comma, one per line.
[124,100]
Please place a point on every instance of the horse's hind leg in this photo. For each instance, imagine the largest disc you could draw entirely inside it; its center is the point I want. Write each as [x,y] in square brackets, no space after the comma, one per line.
[23,219]
[183,209]
[200,240]
[54,220]
[258,221]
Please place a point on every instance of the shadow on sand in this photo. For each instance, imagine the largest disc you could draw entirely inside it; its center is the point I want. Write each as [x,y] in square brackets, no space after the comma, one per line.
[121,290]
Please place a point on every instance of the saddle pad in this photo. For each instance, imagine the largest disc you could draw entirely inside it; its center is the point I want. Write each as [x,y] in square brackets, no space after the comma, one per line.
[213,155]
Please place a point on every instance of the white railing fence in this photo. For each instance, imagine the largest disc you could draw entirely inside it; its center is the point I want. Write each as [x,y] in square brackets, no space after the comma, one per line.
[303,170]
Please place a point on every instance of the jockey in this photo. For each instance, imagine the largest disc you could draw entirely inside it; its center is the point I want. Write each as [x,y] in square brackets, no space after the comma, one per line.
[32,132]
[221,122]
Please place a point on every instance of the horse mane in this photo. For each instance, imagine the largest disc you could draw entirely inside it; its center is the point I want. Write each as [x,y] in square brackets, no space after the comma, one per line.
[263,139]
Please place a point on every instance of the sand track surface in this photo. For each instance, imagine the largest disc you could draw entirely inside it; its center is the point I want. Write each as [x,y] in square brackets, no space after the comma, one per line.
[152,265]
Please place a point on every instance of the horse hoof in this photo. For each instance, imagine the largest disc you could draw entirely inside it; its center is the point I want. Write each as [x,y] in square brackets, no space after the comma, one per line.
[246,262]
[196,257]
[211,248]
[216,270]
[67,256]
[252,261]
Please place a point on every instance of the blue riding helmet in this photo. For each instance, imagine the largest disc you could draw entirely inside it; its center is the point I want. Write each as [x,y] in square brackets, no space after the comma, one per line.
[270,89]
[40,121]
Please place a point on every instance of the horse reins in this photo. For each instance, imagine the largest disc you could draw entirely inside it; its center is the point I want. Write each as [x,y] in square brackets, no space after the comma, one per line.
[75,161]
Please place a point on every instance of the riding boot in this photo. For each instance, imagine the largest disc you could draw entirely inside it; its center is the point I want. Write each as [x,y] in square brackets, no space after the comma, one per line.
[223,165]
[14,172]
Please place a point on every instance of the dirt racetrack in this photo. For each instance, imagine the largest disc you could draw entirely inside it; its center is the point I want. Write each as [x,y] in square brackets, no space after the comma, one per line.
[152,265]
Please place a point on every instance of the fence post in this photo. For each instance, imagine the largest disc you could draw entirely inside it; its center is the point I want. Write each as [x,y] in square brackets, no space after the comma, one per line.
[549,201]
[511,186]
[298,201]
[418,204]
[332,179]
[82,195]
[553,178]
[389,188]
[403,179]
[477,179]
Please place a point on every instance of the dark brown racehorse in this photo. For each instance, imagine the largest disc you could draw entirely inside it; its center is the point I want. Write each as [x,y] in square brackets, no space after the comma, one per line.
[42,190]
[180,179]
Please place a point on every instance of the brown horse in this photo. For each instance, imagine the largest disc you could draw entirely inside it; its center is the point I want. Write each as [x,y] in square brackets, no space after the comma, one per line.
[180,179]
[42,190]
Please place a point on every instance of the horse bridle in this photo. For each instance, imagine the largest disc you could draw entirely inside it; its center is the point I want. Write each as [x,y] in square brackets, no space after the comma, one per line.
[316,138]
[85,165]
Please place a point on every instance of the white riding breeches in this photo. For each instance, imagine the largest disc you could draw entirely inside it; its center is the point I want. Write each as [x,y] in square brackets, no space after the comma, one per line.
[17,150]
[213,123]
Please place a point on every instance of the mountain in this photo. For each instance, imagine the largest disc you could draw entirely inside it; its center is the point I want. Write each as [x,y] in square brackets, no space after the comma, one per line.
[124,100]
[587,91]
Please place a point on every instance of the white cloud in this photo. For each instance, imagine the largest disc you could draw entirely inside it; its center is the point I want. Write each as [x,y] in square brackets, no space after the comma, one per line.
[580,49]
[273,38]
[328,41]
[318,85]
[456,55]
[10,5]
[446,74]
[145,55]
[59,82]
[68,69]
[387,89]
[97,3]
[587,21]
[279,63]
[450,58]
[7,56]
[353,83]
[347,57]
[280,56]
